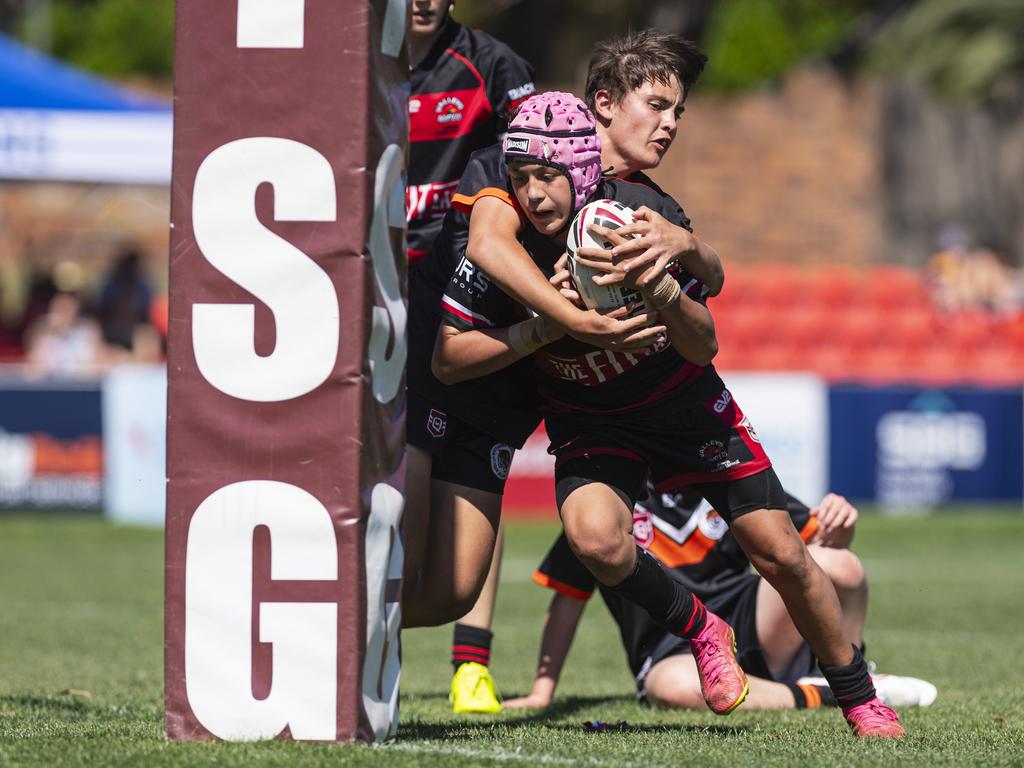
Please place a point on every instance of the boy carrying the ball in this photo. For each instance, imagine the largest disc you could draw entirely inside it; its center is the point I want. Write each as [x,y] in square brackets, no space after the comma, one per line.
[553,162]
[615,419]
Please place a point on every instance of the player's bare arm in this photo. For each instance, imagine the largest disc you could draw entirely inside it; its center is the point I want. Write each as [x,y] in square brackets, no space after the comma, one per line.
[560,624]
[493,247]
[461,355]
[689,324]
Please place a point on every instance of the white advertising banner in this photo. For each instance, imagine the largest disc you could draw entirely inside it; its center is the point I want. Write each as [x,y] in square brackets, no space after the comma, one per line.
[789,411]
[135,444]
[78,145]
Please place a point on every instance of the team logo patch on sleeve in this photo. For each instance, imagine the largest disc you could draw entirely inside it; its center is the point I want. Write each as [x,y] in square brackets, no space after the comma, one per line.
[437,422]
[501,460]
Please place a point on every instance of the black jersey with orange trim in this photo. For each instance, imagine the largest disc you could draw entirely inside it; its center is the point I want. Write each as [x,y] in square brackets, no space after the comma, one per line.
[504,404]
[459,98]
[689,538]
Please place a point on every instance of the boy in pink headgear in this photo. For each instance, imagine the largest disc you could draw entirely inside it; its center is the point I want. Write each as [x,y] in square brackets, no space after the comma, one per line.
[601,462]
[467,434]
[552,156]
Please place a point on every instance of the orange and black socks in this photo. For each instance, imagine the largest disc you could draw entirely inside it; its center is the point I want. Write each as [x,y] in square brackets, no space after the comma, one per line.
[806,696]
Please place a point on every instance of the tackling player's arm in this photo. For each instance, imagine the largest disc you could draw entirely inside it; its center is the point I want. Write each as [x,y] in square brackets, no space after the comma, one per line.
[659,242]
[559,630]
[494,248]
[461,355]
[691,329]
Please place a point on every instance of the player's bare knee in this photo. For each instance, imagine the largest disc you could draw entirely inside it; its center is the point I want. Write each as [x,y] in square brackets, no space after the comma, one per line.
[786,562]
[602,551]
[844,569]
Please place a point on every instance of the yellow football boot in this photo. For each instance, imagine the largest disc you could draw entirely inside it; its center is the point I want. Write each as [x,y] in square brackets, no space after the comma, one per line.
[473,690]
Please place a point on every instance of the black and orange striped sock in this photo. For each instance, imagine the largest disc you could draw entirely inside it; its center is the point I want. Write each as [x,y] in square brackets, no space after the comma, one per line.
[807,696]
[471,644]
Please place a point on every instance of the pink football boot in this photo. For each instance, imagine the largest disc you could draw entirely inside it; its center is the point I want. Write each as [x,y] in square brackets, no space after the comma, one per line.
[722,681]
[874,720]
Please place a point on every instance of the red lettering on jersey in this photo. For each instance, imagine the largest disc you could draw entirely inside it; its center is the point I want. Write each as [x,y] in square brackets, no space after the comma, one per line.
[426,202]
[447,115]
[596,367]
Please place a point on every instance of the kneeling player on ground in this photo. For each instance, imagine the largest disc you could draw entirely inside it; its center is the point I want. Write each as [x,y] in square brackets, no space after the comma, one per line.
[684,533]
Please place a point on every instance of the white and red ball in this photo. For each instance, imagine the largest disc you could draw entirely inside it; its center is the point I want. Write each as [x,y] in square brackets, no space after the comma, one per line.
[610,215]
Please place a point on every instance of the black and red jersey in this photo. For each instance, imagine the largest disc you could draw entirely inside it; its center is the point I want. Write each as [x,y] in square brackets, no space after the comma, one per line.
[504,404]
[689,538]
[460,96]
[575,377]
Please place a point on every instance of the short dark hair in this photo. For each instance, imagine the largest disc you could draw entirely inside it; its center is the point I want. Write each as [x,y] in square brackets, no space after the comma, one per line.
[624,63]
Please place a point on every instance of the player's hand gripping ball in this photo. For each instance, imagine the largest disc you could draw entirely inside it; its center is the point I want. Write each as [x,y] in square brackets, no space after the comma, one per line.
[610,215]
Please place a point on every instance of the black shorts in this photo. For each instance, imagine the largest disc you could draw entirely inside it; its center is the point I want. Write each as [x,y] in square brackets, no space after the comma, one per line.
[737,606]
[461,453]
[709,448]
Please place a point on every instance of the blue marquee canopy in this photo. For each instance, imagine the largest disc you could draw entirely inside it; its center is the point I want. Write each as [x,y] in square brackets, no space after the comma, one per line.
[59,123]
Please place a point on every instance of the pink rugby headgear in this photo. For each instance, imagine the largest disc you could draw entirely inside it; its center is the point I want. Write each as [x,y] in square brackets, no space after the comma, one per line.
[558,129]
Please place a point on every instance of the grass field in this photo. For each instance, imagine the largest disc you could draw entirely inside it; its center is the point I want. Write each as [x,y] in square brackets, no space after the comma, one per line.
[81,610]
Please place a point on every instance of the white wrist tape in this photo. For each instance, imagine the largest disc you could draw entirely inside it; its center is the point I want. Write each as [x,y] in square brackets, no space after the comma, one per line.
[666,292]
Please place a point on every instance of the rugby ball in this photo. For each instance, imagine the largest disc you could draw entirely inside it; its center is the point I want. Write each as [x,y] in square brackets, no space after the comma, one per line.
[610,215]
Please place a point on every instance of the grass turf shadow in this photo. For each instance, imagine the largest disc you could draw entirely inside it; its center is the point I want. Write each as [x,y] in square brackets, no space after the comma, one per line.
[470,726]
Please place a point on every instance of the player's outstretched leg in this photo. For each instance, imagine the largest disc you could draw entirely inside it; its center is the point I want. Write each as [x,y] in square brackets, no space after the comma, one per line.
[598,523]
[780,556]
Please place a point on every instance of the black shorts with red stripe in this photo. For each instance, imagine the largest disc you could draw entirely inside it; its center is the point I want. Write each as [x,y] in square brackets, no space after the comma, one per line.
[709,447]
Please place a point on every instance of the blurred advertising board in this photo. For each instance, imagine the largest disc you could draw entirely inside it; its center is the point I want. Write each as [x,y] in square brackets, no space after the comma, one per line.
[908,446]
[789,413]
[135,448]
[51,449]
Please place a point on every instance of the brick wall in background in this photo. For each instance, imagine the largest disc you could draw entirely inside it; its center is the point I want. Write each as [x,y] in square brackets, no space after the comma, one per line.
[790,174]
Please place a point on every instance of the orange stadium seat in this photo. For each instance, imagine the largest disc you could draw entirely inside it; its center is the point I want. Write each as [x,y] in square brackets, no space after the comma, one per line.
[969,330]
[832,361]
[833,285]
[858,327]
[889,285]
[914,326]
[776,284]
[743,325]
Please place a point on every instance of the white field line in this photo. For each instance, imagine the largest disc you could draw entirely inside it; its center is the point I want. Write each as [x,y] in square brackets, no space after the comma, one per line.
[504,755]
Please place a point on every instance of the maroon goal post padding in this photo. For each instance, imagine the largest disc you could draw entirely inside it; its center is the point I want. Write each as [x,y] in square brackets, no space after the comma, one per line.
[286,370]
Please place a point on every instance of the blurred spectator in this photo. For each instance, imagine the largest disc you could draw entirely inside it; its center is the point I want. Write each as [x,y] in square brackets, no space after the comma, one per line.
[962,278]
[124,300]
[63,342]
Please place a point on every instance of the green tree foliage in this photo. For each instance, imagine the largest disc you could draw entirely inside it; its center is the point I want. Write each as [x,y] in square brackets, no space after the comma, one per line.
[963,49]
[751,42]
[115,37]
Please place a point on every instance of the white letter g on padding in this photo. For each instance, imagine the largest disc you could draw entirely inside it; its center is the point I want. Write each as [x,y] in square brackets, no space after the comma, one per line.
[218,614]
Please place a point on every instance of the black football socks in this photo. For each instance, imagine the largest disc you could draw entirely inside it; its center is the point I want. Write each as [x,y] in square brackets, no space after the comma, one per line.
[666,600]
[471,644]
[851,683]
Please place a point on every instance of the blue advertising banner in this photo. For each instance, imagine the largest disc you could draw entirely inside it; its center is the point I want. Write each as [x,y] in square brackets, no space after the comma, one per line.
[51,451]
[912,446]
